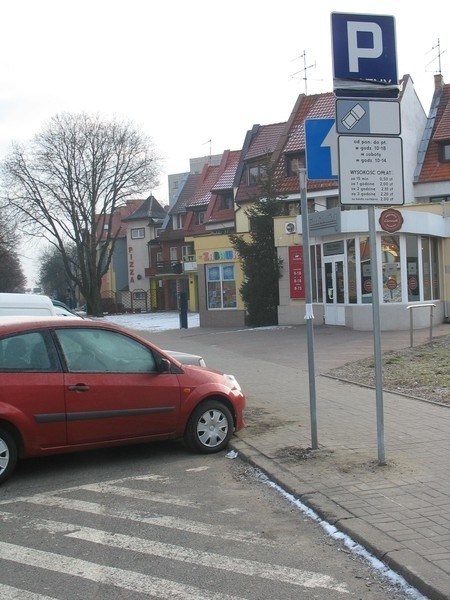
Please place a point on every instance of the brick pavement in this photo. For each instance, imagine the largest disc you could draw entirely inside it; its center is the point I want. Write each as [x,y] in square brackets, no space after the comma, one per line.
[399,511]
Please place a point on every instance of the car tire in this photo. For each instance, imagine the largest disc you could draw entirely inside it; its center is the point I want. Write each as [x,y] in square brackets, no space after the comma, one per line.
[8,454]
[209,428]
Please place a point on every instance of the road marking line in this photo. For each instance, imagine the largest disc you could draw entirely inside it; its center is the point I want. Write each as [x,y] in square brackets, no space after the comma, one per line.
[158,478]
[250,568]
[112,576]
[139,494]
[9,593]
[156,520]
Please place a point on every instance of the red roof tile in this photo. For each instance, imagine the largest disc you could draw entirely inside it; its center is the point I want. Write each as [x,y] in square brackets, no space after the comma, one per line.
[265,141]
[225,181]
[432,169]
[202,195]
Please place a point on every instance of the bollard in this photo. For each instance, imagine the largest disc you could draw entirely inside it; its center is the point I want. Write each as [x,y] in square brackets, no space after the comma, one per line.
[183,310]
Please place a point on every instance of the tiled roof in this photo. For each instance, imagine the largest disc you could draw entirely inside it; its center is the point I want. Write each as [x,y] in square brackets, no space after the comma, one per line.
[225,181]
[321,106]
[265,141]
[186,193]
[438,128]
[149,209]
[202,194]
[115,221]
[442,132]
[318,106]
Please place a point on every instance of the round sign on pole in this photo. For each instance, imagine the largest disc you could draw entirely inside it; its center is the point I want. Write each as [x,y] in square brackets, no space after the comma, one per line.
[391,220]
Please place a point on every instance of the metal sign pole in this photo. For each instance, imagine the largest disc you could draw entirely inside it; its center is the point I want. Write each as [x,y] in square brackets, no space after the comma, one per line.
[376,335]
[308,307]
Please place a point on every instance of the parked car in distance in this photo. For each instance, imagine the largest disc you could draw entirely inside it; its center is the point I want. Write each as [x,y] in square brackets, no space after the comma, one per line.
[26,304]
[186,358]
[77,384]
[62,310]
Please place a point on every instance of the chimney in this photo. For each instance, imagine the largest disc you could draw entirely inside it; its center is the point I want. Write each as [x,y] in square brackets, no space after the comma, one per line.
[438,82]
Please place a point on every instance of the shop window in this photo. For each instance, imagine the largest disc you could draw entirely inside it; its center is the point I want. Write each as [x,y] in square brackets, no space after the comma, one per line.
[351,272]
[366,277]
[391,268]
[430,270]
[221,286]
[412,268]
[315,273]
[435,268]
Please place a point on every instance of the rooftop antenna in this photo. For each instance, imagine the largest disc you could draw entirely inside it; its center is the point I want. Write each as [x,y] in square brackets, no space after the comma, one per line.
[438,57]
[304,70]
[210,154]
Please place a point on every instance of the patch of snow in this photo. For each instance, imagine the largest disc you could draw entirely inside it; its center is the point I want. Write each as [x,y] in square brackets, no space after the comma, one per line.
[153,321]
[353,546]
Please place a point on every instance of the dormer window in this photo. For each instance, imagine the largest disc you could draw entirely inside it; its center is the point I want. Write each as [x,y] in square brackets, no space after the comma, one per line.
[255,174]
[199,217]
[177,221]
[444,152]
[226,201]
[294,162]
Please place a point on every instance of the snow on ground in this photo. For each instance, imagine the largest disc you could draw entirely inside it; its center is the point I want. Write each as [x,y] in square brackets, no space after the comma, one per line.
[153,321]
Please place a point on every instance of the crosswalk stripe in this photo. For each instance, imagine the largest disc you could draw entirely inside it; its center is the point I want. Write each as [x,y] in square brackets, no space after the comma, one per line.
[138,494]
[112,576]
[251,568]
[9,593]
[156,520]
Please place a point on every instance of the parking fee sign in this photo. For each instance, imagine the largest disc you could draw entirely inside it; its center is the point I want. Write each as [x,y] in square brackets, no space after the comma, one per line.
[364,55]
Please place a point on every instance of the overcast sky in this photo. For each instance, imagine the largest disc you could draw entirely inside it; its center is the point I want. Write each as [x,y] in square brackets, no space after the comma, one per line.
[194,75]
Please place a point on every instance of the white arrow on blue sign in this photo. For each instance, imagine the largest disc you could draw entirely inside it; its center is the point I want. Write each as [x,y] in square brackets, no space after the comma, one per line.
[321,149]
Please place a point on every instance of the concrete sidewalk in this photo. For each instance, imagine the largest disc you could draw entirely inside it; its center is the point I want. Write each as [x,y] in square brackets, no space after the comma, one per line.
[400,511]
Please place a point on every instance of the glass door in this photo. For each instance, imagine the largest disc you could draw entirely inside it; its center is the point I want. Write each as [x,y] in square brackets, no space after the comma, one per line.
[334,291]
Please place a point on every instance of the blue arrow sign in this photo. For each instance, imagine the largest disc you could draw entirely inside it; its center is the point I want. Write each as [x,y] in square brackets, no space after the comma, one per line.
[321,149]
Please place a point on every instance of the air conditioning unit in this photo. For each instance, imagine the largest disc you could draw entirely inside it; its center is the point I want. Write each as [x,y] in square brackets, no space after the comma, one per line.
[290,227]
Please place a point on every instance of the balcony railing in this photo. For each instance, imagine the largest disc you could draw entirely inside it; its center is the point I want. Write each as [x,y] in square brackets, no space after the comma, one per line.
[173,267]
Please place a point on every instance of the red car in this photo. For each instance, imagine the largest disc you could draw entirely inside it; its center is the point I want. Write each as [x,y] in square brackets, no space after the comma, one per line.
[71,384]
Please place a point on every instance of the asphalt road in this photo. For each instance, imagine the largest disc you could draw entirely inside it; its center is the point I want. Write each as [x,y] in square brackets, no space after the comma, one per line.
[157,521]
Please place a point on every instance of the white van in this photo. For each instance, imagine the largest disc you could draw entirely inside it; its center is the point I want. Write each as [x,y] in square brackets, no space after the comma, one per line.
[26,304]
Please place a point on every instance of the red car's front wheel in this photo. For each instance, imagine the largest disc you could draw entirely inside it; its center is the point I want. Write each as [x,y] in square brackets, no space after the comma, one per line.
[210,427]
[8,454]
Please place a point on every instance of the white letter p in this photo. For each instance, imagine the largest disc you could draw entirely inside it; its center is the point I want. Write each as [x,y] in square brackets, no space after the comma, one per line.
[354,52]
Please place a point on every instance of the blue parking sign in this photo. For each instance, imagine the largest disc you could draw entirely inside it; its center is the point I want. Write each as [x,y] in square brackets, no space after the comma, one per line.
[364,55]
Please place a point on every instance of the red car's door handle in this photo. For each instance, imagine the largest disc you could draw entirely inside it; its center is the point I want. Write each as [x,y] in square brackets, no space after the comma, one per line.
[80,387]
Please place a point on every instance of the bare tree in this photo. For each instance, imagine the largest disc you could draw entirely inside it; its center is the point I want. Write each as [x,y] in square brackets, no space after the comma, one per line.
[67,184]
[53,277]
[12,278]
